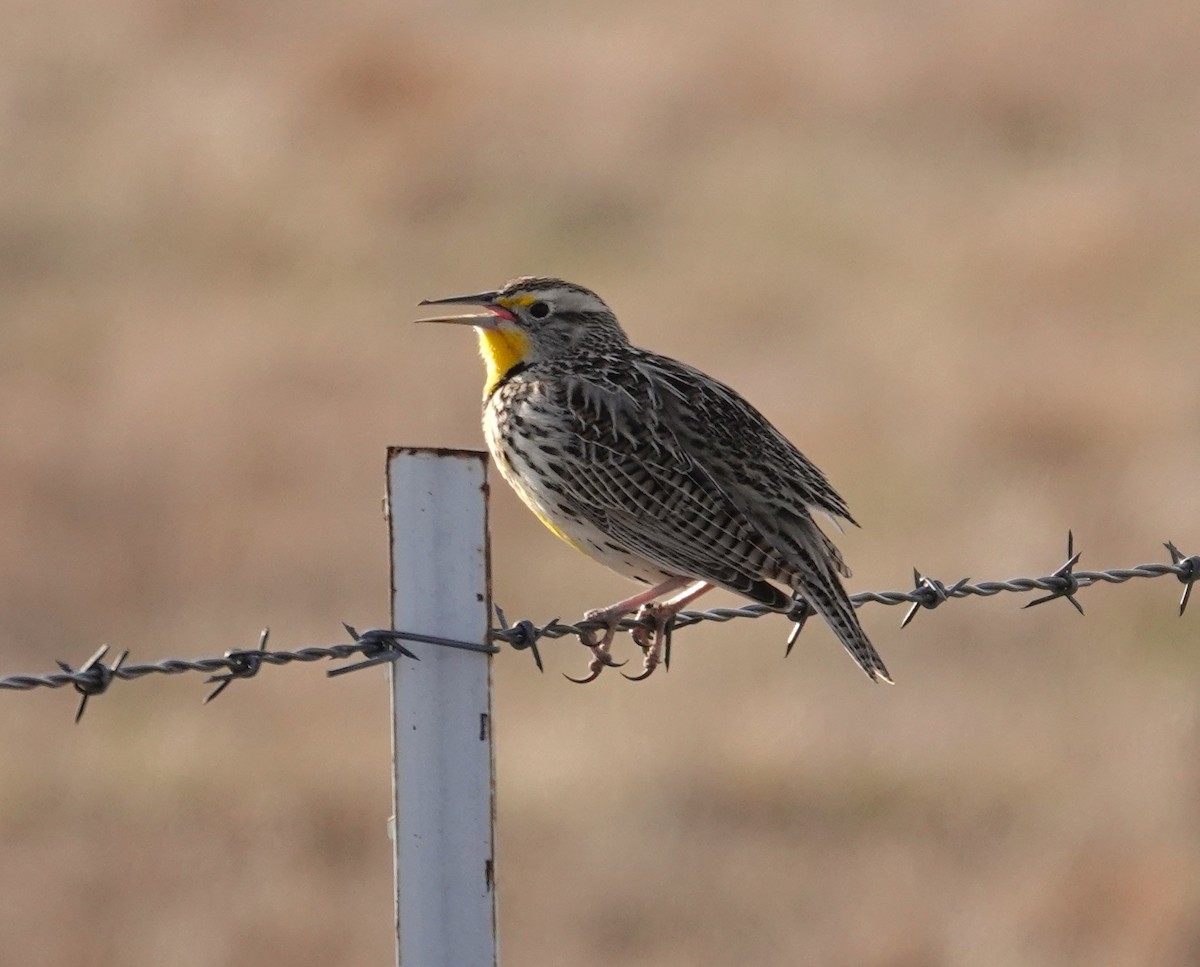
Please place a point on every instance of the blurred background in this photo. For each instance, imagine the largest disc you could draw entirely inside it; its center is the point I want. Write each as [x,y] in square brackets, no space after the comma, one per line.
[952,250]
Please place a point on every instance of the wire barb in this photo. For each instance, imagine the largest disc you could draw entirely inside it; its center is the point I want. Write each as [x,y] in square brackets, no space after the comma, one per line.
[799,615]
[929,593]
[521,636]
[1068,582]
[93,677]
[242,664]
[1189,571]
[380,646]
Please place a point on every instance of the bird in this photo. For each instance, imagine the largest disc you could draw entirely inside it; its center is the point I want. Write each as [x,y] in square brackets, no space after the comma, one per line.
[653,468]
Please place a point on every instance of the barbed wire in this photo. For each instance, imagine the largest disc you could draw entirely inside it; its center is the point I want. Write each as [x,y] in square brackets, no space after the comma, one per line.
[381,645]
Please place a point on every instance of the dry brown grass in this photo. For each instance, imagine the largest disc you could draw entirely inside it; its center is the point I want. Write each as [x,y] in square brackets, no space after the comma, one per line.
[952,250]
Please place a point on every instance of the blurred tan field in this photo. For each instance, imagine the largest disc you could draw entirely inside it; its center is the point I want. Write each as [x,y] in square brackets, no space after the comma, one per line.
[952,250]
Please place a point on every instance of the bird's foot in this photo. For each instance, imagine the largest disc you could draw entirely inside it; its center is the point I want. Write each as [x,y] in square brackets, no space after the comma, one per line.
[654,641]
[600,646]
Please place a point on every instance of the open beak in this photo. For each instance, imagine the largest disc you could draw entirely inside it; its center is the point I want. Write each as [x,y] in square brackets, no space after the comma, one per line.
[488,319]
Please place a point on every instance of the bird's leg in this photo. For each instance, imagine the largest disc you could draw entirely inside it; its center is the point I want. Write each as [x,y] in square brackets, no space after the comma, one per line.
[611,618]
[652,641]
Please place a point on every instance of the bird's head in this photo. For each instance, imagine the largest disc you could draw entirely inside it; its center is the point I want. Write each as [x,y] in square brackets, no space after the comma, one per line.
[531,320]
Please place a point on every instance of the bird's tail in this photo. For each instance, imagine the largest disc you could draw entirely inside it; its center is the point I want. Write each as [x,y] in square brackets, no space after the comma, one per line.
[829,599]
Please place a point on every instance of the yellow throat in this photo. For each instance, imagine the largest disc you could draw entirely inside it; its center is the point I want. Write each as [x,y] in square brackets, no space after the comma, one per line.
[501,350]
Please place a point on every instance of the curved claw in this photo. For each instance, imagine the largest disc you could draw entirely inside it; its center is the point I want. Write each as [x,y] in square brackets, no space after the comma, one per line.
[595,667]
[646,673]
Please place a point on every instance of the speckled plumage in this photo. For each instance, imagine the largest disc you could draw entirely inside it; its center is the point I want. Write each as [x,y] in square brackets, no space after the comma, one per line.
[656,469]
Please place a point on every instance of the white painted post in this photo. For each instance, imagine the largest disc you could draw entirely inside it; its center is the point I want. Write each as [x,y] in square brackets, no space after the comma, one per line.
[443,776]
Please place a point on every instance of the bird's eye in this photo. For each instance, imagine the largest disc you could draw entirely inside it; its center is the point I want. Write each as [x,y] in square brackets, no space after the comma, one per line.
[539,310]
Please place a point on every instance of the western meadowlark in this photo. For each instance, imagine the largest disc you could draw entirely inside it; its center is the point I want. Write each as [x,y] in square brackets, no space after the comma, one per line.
[651,467]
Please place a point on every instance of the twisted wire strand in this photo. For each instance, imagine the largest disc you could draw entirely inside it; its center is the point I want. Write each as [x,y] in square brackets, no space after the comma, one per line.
[177,666]
[377,646]
[922,596]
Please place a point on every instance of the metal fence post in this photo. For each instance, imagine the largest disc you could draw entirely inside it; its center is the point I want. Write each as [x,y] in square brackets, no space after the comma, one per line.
[443,774]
